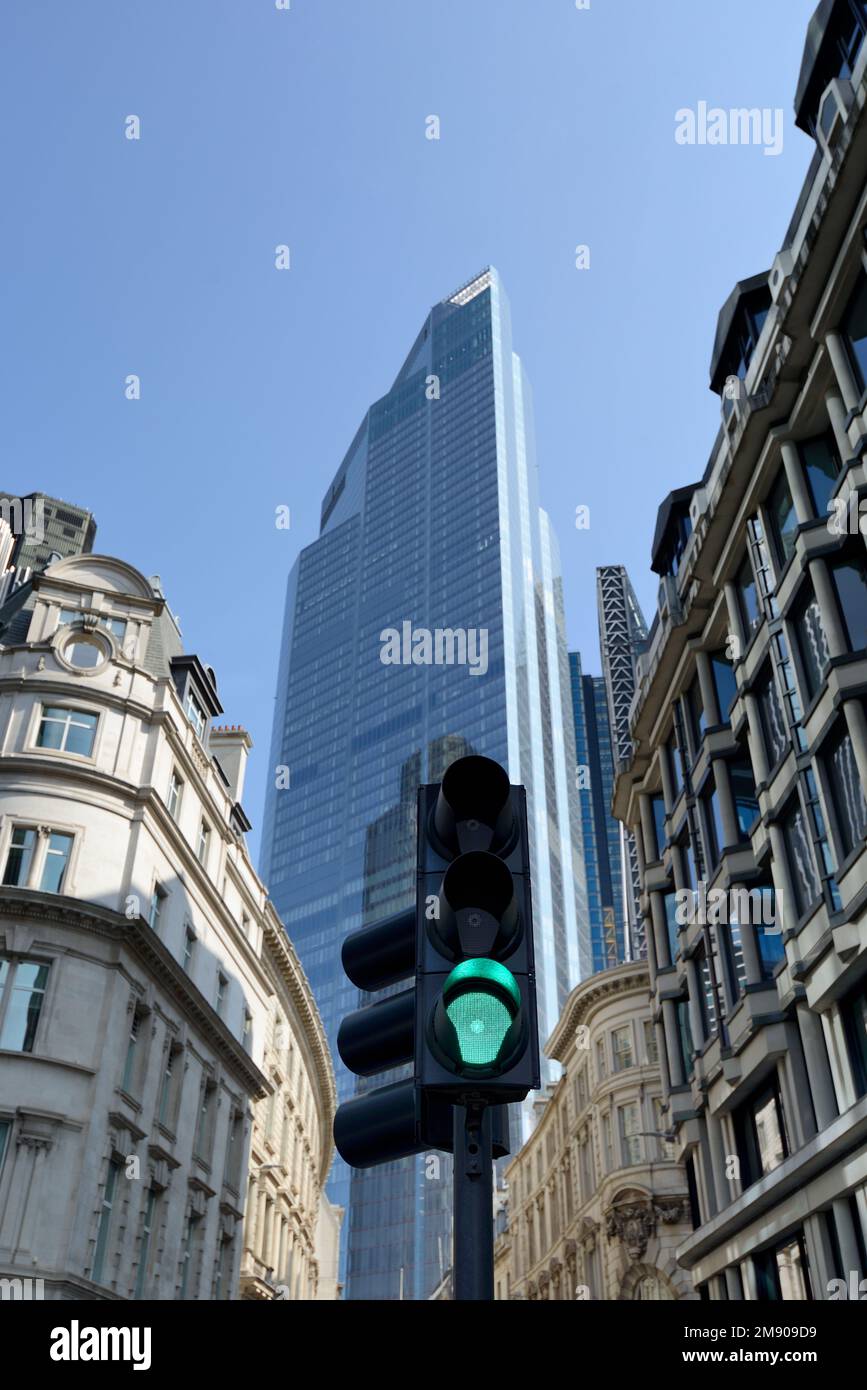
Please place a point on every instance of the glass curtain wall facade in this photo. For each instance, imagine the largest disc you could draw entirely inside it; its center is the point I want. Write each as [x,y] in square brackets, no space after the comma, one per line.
[600,831]
[431,525]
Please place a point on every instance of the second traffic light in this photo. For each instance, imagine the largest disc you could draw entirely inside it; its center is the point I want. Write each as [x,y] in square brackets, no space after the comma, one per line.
[476,1035]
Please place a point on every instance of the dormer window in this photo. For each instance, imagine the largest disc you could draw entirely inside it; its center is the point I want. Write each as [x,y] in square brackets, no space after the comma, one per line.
[833,54]
[195,713]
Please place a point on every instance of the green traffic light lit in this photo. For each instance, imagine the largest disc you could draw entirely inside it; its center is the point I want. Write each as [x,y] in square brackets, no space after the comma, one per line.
[481,1000]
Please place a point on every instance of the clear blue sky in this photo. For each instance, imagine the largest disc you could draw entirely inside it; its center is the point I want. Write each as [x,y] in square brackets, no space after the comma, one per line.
[307,127]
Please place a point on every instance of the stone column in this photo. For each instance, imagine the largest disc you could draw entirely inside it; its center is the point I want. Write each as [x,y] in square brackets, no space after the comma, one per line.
[758,757]
[797,482]
[665,776]
[728,814]
[660,931]
[856,723]
[648,830]
[783,885]
[736,624]
[672,1043]
[843,370]
[696,1021]
[837,416]
[818,1068]
[717,1161]
[831,622]
[712,712]
[752,961]
[847,1239]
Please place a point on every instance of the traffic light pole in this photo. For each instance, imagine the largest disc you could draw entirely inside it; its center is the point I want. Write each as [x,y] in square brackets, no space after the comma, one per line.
[473,1204]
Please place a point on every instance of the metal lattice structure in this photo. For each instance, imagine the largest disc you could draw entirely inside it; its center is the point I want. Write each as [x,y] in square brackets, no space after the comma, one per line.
[622,632]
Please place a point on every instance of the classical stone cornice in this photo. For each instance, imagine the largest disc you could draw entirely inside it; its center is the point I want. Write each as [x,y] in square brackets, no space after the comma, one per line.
[146,946]
[588,996]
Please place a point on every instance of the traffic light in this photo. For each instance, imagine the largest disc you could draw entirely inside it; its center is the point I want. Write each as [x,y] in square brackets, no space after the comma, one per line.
[467,1017]
[396,1120]
[476,1036]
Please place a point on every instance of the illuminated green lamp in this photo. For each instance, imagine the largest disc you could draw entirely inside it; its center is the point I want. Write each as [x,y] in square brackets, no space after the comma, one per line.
[478,1021]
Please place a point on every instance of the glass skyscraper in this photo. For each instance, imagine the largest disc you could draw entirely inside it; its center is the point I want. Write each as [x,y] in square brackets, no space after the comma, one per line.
[622,637]
[600,831]
[431,525]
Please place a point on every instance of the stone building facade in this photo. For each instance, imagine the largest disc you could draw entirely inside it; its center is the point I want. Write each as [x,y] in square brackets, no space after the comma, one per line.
[596,1203]
[152,1010]
[746,787]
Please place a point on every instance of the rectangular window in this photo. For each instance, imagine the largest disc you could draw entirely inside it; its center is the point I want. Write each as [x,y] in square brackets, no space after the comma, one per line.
[104,1228]
[191,1238]
[176,792]
[713,826]
[651,1051]
[202,1148]
[222,1283]
[706,998]
[853,1012]
[195,714]
[724,683]
[20,857]
[822,468]
[608,1147]
[129,1080]
[116,626]
[629,1124]
[687,1049]
[56,862]
[222,986]
[743,785]
[774,726]
[847,794]
[849,577]
[67,730]
[600,1059]
[802,864]
[158,897]
[189,948]
[766,1115]
[5,1131]
[674,766]
[170,1087]
[695,716]
[812,644]
[621,1043]
[745,582]
[761,1134]
[671,923]
[147,1230]
[247,1037]
[855,331]
[658,807]
[22,991]
[234,1150]
[666,1146]
[781,1274]
[783,521]
[791,699]
[204,840]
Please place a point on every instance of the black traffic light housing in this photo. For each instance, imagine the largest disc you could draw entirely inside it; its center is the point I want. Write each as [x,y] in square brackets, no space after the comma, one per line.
[476,1032]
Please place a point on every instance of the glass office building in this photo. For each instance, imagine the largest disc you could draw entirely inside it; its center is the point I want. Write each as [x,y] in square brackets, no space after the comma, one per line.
[431,526]
[600,831]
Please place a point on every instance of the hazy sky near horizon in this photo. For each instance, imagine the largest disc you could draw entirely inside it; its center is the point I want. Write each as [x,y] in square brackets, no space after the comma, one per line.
[307,127]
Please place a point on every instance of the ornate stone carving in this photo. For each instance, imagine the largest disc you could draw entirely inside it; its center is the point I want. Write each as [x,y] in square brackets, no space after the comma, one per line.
[634,1224]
